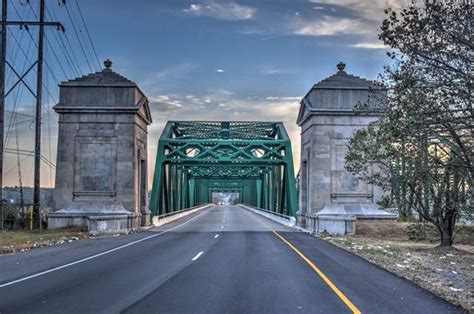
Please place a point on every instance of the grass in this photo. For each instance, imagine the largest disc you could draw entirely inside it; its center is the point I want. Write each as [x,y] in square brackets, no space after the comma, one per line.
[21,240]
[446,272]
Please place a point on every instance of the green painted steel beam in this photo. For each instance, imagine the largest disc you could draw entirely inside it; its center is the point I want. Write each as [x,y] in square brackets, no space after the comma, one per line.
[197,158]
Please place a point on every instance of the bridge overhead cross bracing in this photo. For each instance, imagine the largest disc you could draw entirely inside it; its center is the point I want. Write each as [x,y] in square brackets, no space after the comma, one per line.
[197,158]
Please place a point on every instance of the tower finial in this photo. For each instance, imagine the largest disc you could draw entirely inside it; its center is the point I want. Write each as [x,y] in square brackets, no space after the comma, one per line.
[108,64]
[341,66]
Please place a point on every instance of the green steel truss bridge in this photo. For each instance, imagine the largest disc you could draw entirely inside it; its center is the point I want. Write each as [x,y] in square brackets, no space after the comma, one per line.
[198,158]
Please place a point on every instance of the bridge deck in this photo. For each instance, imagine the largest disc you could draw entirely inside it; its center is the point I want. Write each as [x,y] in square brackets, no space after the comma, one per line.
[244,267]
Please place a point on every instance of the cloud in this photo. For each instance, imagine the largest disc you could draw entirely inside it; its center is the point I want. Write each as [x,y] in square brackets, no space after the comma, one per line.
[359,19]
[165,103]
[371,10]
[297,98]
[222,105]
[369,45]
[272,71]
[230,11]
[168,75]
[329,25]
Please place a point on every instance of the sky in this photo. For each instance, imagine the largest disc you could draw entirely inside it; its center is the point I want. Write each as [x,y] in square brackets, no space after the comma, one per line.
[194,60]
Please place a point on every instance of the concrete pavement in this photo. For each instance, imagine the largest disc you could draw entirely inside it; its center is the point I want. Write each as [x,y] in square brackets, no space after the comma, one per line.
[224,259]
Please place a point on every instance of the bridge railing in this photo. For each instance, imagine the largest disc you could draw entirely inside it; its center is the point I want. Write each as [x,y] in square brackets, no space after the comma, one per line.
[280,218]
[171,216]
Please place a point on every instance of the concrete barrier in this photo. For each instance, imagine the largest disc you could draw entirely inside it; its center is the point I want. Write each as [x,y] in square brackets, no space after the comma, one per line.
[319,223]
[284,220]
[170,217]
[335,224]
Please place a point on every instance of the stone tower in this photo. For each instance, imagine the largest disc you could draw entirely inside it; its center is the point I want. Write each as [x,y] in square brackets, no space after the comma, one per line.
[327,120]
[101,169]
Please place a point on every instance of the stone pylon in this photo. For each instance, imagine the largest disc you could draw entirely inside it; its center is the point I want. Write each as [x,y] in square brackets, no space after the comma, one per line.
[327,119]
[101,169]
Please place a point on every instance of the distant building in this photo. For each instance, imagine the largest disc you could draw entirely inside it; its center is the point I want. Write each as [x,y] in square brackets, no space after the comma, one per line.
[327,120]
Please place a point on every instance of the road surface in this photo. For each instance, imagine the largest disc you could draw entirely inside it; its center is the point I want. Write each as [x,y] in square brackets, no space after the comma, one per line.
[223,259]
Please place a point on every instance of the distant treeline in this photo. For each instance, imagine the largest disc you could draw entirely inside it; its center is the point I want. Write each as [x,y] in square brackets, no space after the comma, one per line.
[12,195]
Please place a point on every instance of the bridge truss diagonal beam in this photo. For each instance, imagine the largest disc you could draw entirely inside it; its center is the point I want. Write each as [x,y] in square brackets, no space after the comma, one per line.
[198,158]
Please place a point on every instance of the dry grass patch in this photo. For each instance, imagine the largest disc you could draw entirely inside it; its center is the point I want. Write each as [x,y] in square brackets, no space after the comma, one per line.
[446,272]
[21,240]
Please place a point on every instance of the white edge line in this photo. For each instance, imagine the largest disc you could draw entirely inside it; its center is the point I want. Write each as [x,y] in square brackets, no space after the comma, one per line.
[197,255]
[96,255]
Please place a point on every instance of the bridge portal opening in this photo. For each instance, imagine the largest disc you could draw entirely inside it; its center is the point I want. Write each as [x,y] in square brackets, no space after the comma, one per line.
[196,161]
[225,198]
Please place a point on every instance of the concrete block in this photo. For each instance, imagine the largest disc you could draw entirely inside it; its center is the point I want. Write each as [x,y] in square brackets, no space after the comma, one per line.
[335,224]
[159,221]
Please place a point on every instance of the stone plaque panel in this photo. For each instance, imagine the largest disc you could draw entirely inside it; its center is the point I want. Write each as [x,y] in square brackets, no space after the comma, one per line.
[95,168]
[345,187]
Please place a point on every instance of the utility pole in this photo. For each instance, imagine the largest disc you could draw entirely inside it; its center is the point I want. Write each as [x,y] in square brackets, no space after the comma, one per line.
[39,103]
[38,95]
[2,93]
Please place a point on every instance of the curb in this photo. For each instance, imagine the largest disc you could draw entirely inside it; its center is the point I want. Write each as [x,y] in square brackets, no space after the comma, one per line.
[290,223]
[156,222]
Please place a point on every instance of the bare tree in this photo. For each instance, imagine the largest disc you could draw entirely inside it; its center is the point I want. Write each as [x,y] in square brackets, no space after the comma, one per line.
[421,149]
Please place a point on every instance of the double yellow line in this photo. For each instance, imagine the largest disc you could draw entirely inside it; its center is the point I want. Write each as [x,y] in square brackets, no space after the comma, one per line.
[331,285]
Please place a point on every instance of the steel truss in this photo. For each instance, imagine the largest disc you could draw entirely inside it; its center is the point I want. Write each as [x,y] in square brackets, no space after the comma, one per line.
[196,158]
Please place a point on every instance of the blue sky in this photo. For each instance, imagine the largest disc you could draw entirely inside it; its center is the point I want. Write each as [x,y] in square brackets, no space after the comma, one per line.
[205,59]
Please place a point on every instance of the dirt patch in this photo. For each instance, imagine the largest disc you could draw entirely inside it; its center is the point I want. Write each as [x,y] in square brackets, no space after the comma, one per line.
[21,240]
[448,273]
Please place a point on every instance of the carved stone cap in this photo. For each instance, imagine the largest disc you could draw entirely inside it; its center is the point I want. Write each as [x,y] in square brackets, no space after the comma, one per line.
[106,77]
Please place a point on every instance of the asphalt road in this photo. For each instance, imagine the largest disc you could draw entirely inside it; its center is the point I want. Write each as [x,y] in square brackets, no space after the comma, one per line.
[224,259]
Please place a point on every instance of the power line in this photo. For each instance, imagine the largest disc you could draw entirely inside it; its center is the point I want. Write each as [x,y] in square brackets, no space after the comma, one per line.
[48,119]
[29,60]
[18,96]
[41,23]
[28,153]
[72,57]
[37,44]
[88,34]
[78,38]
[64,49]
[13,168]
[19,113]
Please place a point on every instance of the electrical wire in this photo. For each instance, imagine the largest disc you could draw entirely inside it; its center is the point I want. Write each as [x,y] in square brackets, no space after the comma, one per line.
[88,34]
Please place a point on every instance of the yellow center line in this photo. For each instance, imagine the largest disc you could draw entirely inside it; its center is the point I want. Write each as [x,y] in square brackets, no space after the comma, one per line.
[336,290]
